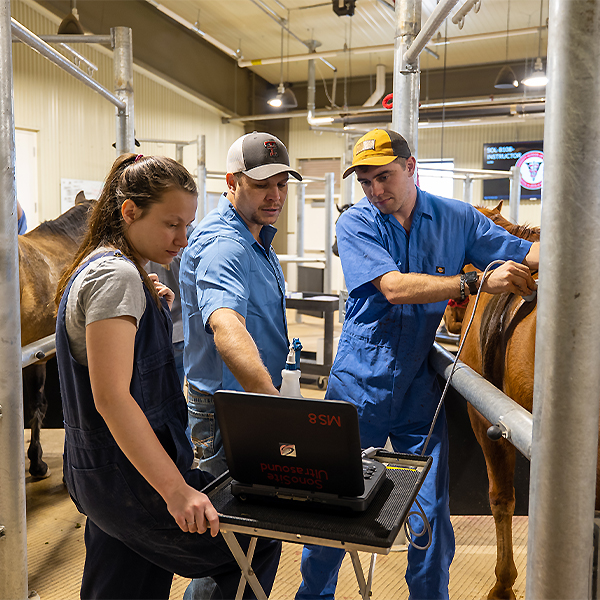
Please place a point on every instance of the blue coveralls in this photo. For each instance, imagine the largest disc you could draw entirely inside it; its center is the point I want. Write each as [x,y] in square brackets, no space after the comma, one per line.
[381,364]
[133,543]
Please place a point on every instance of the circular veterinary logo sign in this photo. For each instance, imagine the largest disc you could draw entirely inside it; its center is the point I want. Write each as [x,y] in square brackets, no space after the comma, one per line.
[531,165]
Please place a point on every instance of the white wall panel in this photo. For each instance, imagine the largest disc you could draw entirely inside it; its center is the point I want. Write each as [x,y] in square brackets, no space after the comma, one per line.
[465,146]
[76,127]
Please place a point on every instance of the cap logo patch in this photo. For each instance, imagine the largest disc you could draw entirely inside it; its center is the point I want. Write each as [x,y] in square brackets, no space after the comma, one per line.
[271,146]
[364,146]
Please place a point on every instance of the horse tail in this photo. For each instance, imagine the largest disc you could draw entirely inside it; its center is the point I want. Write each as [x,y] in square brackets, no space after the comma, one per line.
[496,330]
[492,339]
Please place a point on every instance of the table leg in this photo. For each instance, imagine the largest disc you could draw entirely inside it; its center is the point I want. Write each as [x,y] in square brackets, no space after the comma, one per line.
[328,338]
[364,587]
[244,563]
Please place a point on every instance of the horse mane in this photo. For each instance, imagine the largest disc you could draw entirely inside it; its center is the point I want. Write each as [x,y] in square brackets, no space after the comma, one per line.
[70,224]
[531,234]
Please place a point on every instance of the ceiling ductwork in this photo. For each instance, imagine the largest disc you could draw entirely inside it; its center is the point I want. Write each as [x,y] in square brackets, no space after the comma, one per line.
[379,87]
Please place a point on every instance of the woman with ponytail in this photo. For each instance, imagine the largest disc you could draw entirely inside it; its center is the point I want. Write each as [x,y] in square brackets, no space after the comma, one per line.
[127,458]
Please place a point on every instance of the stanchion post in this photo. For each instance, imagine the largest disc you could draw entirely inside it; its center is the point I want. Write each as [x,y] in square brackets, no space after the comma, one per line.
[405,110]
[201,175]
[13,527]
[329,223]
[514,202]
[468,189]
[567,378]
[123,74]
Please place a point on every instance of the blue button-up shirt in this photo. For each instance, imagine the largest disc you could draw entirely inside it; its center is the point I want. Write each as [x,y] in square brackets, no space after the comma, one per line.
[225,267]
[381,364]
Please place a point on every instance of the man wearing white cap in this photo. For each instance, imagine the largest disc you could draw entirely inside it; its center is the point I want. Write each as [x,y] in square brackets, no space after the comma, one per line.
[233,290]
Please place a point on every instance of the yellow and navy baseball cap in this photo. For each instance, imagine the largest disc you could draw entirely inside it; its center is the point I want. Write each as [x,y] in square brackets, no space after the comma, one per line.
[376,148]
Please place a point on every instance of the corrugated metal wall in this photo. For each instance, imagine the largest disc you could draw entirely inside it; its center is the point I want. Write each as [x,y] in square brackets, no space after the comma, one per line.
[76,127]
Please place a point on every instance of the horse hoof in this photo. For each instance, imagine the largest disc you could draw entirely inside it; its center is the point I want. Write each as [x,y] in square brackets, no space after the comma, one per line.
[40,474]
[501,593]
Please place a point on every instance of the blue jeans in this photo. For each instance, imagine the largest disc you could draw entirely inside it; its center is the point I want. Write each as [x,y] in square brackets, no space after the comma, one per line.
[205,432]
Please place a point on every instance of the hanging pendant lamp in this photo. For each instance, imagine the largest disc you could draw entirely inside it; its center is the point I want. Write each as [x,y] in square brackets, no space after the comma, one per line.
[506,79]
[538,76]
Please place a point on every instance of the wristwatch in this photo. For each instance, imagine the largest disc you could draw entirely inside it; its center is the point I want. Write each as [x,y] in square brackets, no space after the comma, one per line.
[471,278]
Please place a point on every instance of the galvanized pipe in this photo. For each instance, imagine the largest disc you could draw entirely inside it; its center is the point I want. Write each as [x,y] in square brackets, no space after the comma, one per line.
[123,74]
[77,39]
[437,17]
[329,224]
[27,37]
[567,377]
[39,350]
[405,111]
[496,407]
[202,174]
[468,189]
[300,205]
[13,526]
[514,202]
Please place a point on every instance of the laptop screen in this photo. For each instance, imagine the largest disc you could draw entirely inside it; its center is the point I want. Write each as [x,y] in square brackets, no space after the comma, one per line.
[299,443]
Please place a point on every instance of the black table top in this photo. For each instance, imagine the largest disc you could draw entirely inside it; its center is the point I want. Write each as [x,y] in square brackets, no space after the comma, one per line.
[376,527]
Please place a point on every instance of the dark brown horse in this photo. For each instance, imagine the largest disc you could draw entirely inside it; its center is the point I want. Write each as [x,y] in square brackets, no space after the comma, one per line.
[500,346]
[44,253]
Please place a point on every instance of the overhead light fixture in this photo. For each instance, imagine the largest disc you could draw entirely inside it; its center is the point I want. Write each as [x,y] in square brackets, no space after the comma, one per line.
[284,98]
[506,79]
[538,76]
[70,25]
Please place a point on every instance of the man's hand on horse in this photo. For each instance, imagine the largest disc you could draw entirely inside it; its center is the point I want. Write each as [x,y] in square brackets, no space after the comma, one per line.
[510,277]
[162,290]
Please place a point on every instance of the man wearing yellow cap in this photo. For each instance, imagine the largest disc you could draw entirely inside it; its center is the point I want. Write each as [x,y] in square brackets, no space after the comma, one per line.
[402,251]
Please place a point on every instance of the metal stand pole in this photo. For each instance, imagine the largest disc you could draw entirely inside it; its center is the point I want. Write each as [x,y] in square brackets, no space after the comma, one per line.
[329,222]
[405,112]
[202,196]
[13,526]
[348,183]
[468,190]
[123,72]
[567,377]
[179,153]
[515,194]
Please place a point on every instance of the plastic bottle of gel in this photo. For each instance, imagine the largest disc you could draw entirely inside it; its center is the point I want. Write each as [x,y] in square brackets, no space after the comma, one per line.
[290,376]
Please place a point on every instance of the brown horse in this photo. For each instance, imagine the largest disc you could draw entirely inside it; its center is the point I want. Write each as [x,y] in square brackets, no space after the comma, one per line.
[44,253]
[500,346]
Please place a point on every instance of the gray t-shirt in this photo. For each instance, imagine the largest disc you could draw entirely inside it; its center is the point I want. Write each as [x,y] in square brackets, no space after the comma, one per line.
[108,287]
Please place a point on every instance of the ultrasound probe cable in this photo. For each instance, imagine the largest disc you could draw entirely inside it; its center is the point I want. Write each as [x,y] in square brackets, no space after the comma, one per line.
[408,530]
[462,343]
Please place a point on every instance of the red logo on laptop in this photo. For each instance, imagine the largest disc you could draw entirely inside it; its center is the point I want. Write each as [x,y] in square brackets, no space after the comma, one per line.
[287,449]
[325,419]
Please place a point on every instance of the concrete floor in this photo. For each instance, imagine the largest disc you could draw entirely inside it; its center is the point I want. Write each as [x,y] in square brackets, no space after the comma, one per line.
[56,550]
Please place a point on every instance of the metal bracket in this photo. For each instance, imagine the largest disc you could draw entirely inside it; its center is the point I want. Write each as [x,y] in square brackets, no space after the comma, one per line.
[410,70]
[2,531]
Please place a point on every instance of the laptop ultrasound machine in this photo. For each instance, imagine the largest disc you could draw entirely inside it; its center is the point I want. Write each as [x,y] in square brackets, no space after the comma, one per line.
[296,449]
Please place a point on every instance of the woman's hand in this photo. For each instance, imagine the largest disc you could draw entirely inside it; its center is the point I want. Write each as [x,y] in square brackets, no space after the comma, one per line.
[192,510]
[162,290]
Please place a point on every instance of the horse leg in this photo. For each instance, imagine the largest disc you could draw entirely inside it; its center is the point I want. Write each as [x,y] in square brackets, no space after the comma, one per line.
[34,379]
[500,461]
